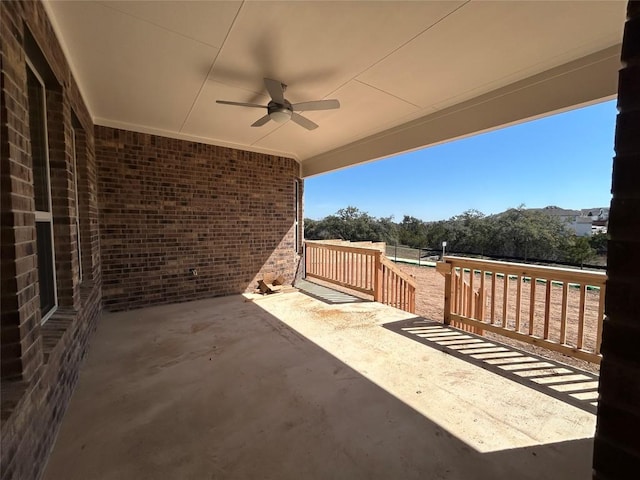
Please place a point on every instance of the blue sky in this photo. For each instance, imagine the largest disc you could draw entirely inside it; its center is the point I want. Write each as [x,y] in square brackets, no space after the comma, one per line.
[562,160]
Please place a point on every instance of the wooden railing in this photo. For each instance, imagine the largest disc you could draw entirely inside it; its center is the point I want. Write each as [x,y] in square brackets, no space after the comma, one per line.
[467,301]
[395,287]
[557,308]
[362,269]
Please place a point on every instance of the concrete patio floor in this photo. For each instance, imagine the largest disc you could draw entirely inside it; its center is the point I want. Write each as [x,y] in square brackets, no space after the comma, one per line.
[289,387]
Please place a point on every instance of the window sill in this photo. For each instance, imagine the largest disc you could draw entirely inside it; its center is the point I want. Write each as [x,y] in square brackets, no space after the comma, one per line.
[55,328]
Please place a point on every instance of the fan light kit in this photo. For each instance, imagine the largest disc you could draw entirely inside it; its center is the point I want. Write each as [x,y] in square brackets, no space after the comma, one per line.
[280,110]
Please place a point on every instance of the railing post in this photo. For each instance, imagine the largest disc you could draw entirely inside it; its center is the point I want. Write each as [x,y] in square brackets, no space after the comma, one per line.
[377,278]
[446,269]
[306,260]
[448,284]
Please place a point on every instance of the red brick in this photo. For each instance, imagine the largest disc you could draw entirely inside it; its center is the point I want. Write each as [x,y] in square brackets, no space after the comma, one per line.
[168,205]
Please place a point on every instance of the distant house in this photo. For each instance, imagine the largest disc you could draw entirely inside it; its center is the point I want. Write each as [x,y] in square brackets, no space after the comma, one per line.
[583,222]
[598,213]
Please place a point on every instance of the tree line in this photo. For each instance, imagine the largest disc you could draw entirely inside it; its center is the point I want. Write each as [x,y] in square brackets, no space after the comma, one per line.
[516,233]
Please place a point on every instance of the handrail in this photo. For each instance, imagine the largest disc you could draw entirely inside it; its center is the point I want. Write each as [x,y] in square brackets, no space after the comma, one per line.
[598,277]
[397,288]
[362,269]
[545,306]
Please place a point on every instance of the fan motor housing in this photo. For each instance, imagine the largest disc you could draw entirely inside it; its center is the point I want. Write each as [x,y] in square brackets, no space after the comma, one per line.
[279,112]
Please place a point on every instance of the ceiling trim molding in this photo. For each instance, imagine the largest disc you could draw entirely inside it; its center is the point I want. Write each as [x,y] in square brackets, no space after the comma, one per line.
[581,82]
[190,138]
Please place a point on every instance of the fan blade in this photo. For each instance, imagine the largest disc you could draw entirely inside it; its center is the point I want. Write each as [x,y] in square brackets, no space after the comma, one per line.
[303,122]
[275,89]
[240,104]
[261,121]
[315,105]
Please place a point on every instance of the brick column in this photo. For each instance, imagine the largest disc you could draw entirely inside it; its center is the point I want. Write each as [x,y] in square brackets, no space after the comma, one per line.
[617,443]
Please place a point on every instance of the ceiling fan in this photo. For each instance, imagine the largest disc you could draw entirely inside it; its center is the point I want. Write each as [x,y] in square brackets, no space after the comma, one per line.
[279,109]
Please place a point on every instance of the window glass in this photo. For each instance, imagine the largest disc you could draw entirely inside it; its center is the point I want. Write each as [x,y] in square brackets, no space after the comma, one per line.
[42,193]
[37,129]
[46,275]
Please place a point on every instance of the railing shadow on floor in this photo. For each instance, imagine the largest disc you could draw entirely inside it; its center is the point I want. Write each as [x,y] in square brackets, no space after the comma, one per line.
[562,382]
[325,294]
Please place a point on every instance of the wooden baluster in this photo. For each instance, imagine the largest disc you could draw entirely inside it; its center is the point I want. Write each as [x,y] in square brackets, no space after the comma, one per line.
[306,258]
[454,290]
[391,285]
[354,275]
[326,263]
[365,271]
[532,304]
[518,302]
[583,290]
[356,262]
[493,297]
[600,318]
[505,299]
[352,264]
[563,315]
[345,267]
[385,285]
[547,308]
[407,296]
[481,300]
[471,296]
[413,300]
[330,263]
[449,296]
[460,292]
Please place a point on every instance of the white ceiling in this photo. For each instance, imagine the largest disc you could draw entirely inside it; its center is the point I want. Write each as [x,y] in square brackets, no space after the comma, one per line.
[407,74]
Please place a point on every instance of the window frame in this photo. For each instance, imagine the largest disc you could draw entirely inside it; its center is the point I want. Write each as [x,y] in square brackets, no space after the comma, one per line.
[45,216]
[77,202]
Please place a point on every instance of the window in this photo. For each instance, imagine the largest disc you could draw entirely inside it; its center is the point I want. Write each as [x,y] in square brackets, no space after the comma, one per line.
[296,210]
[42,192]
[75,188]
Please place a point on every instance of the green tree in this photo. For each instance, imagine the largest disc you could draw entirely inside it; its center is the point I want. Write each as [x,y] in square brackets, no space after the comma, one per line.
[351,224]
[579,250]
[412,232]
[519,232]
[598,241]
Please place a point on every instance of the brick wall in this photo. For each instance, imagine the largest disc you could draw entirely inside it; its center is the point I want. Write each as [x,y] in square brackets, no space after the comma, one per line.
[40,362]
[617,443]
[168,205]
